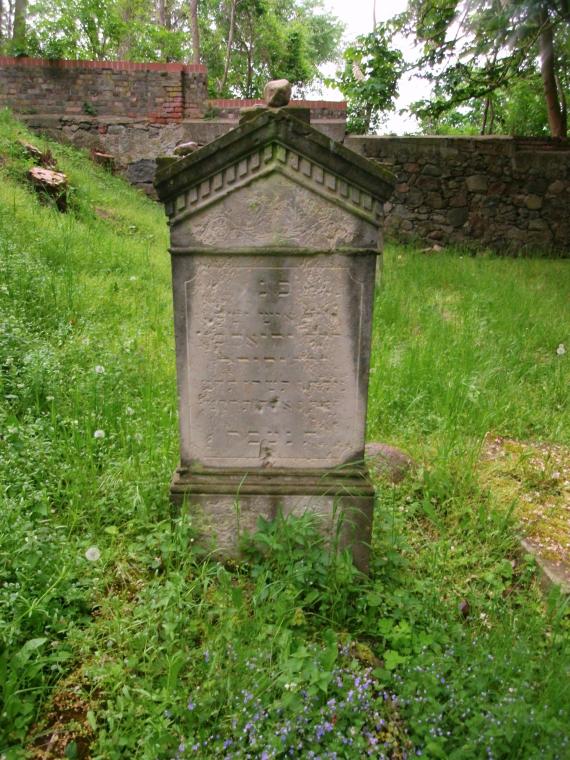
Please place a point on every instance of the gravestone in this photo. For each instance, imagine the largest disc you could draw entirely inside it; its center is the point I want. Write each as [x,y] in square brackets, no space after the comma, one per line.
[275,231]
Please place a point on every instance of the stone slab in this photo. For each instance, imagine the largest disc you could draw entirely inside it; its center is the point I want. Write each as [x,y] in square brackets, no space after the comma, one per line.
[272,358]
[222,519]
[552,572]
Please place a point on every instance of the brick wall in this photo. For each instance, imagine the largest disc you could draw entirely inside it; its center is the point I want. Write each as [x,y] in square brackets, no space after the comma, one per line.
[504,193]
[160,92]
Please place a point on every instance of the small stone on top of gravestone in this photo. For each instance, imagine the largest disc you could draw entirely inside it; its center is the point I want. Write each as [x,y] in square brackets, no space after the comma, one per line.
[277,93]
[184,149]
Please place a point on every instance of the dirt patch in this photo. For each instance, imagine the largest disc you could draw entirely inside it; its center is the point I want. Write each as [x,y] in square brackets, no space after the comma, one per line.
[533,479]
[67,730]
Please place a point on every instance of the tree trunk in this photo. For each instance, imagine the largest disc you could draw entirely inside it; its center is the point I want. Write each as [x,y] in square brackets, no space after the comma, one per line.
[19,29]
[195,31]
[249,79]
[229,45]
[485,114]
[128,16]
[164,14]
[563,106]
[548,71]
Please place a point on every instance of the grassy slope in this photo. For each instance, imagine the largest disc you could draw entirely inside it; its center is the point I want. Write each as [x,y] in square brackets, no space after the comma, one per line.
[119,645]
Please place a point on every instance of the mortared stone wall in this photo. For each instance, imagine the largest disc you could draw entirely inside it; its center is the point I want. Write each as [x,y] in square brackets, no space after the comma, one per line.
[506,194]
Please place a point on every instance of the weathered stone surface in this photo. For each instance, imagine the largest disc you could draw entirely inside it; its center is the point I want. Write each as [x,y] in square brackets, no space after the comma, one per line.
[556,187]
[388,462]
[141,172]
[457,216]
[493,179]
[261,216]
[221,519]
[185,148]
[533,202]
[277,93]
[275,379]
[477,183]
[431,170]
[274,236]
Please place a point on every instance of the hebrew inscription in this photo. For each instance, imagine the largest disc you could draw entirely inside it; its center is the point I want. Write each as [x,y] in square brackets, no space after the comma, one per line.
[272,363]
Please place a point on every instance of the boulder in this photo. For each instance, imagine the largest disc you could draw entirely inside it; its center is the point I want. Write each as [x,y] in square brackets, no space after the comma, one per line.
[184,149]
[277,93]
[388,462]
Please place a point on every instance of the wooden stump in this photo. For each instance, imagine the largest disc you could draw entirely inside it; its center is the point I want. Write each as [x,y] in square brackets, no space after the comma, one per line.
[106,160]
[51,184]
[42,158]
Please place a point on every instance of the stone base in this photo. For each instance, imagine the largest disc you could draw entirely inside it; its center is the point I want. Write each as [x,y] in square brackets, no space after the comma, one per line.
[225,504]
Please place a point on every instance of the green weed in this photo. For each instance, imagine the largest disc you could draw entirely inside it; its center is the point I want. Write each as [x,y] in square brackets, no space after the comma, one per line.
[119,638]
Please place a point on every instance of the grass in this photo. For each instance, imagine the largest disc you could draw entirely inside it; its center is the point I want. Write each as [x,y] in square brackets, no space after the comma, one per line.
[118,638]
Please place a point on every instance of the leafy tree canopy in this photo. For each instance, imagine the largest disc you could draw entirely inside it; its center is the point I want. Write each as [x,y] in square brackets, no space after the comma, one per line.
[489,52]
[369,79]
[242,42]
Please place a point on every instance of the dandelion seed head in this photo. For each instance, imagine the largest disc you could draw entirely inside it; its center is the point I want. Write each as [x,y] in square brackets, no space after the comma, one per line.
[93,554]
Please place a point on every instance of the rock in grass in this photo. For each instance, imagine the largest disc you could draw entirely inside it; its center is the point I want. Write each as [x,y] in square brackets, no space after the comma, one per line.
[50,183]
[388,462]
[277,93]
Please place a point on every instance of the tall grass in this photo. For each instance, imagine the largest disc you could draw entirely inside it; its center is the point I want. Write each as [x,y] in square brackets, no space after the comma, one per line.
[119,639]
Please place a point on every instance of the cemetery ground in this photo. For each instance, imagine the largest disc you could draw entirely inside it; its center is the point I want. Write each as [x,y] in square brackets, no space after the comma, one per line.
[120,639]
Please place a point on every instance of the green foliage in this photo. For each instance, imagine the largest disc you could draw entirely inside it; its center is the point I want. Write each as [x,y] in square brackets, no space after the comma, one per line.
[516,110]
[271,38]
[102,30]
[369,80]
[483,59]
[447,648]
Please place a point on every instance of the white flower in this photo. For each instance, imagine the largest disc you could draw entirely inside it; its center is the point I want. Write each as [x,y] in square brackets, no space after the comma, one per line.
[99,369]
[49,398]
[132,278]
[99,434]
[561,350]
[130,411]
[93,554]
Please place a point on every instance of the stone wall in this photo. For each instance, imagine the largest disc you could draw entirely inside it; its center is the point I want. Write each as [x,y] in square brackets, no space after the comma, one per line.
[162,93]
[502,193]
[133,111]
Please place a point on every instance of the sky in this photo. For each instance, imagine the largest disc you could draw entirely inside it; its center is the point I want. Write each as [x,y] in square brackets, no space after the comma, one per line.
[358,18]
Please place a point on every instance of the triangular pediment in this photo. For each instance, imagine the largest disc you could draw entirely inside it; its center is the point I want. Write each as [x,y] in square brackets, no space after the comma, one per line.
[279,206]
[274,142]
[263,162]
